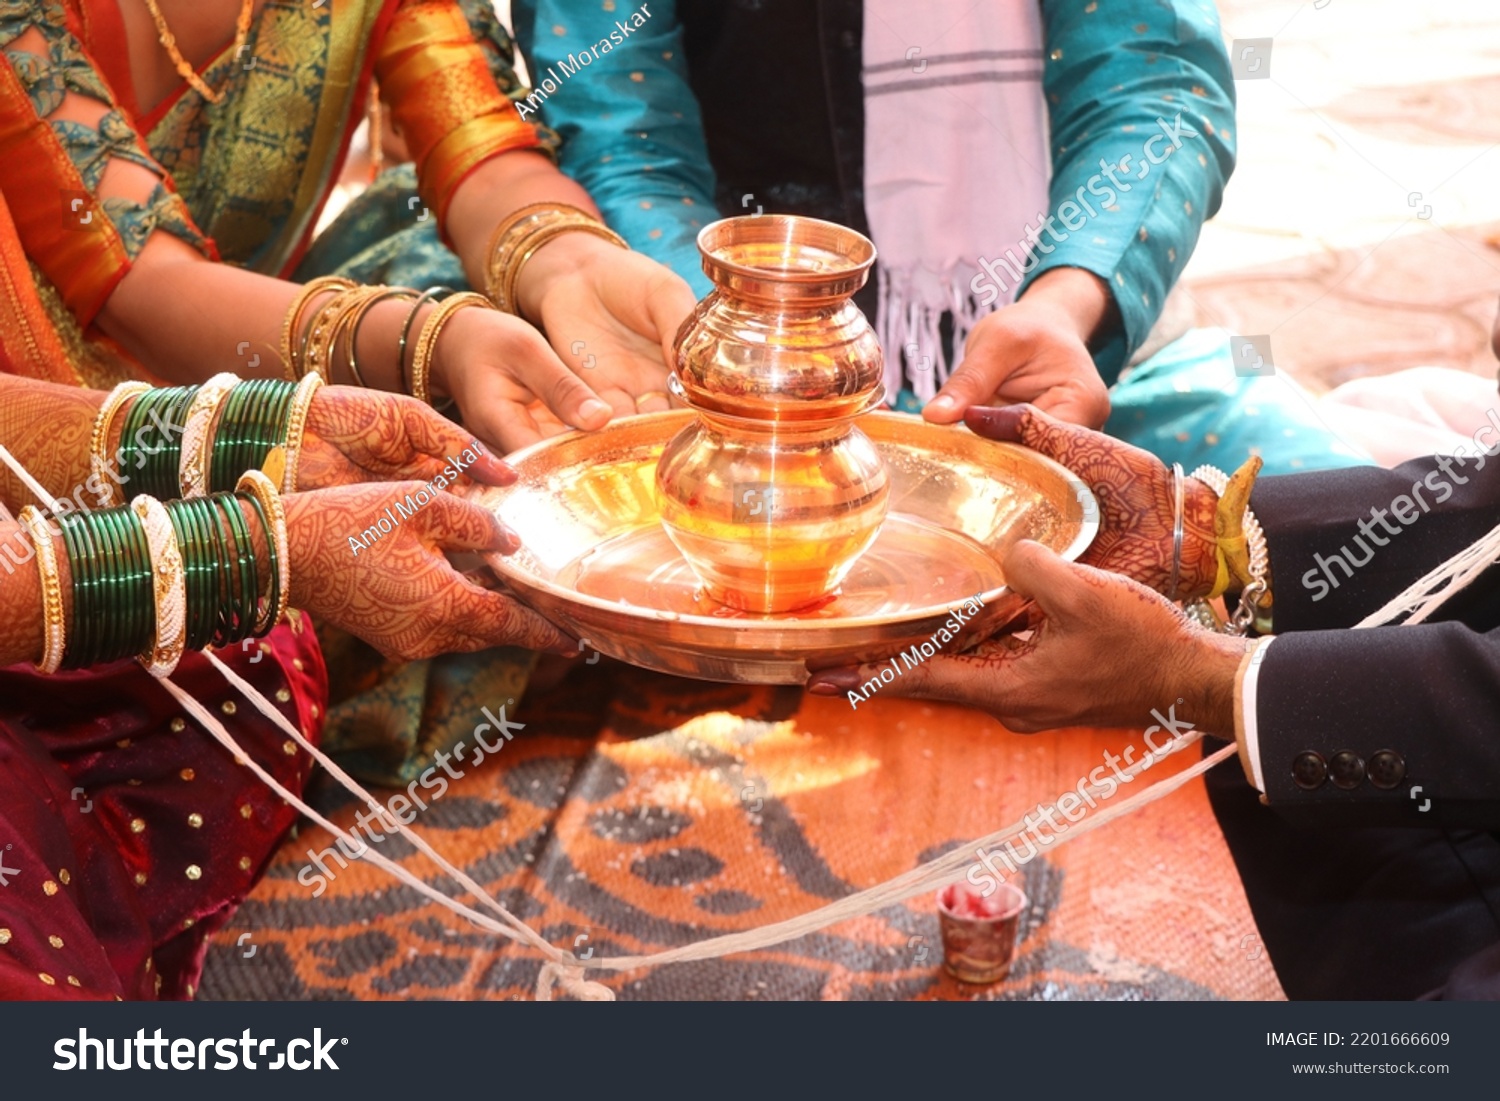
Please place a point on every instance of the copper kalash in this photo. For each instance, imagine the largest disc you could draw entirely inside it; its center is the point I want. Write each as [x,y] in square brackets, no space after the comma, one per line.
[772,493]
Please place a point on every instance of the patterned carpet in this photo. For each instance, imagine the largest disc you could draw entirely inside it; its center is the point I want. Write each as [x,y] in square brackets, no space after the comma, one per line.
[647,812]
[1360,231]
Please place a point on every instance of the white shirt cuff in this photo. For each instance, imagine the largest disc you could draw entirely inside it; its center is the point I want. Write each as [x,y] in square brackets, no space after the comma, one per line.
[1248,692]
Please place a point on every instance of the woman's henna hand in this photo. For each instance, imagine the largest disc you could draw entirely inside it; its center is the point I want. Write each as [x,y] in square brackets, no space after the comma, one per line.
[1135,495]
[394,588]
[47,427]
[358,436]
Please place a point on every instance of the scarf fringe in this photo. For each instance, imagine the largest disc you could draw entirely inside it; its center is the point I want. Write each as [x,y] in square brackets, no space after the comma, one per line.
[909,327]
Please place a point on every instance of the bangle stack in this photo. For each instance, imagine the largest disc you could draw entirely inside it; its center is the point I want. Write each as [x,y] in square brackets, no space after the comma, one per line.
[432,328]
[153,580]
[312,337]
[291,330]
[517,239]
[193,440]
[150,454]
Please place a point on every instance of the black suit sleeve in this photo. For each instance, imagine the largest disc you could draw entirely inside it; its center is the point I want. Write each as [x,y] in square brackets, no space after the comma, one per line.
[1401,723]
[1328,571]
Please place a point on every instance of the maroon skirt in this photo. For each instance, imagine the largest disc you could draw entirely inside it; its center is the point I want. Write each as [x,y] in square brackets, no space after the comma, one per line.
[128,836]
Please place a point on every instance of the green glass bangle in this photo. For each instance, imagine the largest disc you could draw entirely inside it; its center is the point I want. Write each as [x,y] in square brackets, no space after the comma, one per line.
[272,414]
[247,594]
[154,469]
[198,573]
[110,608]
[102,608]
[128,452]
[227,439]
[158,473]
[255,420]
[205,574]
[211,561]
[227,557]
[213,566]
[185,548]
[74,550]
[140,583]
[134,611]
[86,596]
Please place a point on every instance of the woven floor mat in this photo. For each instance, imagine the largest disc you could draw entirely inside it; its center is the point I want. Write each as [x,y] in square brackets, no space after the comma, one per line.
[641,812]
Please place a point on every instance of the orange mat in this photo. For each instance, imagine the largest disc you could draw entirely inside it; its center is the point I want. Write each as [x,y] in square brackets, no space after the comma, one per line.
[641,812]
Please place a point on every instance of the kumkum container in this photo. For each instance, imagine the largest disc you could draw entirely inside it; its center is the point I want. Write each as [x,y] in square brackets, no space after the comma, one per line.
[979,932]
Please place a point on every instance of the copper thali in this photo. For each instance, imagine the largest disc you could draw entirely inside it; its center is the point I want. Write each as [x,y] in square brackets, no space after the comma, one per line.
[596,561]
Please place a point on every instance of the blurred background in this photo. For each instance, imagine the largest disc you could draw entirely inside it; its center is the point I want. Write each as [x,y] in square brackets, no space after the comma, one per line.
[1361,229]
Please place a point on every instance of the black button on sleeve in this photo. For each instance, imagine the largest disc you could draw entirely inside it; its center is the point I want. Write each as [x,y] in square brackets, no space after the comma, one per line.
[1347,769]
[1387,769]
[1309,770]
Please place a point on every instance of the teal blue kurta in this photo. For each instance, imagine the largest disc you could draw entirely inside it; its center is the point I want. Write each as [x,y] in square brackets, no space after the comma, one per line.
[633,136]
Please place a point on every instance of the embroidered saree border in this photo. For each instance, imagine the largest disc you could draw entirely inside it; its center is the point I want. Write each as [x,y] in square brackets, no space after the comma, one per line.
[29,346]
[445,99]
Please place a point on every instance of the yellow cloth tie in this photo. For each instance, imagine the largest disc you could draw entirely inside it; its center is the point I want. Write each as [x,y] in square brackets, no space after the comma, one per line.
[1231,547]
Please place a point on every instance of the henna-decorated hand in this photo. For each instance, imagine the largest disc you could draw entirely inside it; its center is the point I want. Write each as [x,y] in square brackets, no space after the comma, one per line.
[356,436]
[1135,494]
[396,589]
[1105,652]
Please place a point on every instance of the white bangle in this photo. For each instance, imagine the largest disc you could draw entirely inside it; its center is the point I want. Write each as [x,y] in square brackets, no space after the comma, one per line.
[197,440]
[169,586]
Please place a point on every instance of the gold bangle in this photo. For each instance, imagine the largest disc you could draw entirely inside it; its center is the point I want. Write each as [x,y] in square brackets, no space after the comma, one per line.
[169,587]
[99,463]
[317,345]
[432,328]
[54,625]
[291,329]
[264,491]
[511,225]
[197,440]
[545,236]
[356,317]
[517,238]
[296,428]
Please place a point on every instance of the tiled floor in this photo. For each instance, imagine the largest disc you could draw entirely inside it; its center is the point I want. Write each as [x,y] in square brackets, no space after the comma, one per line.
[1361,229]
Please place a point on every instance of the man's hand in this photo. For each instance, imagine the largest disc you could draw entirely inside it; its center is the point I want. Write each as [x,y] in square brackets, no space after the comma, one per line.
[1105,651]
[1035,351]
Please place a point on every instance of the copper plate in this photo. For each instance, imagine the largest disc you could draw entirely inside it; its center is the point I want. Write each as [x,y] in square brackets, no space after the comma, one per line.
[596,561]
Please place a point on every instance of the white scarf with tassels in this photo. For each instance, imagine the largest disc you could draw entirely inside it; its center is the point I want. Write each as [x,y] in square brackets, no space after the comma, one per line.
[956,168]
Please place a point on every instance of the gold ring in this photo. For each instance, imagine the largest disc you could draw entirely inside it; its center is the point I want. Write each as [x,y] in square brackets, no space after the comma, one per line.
[653,394]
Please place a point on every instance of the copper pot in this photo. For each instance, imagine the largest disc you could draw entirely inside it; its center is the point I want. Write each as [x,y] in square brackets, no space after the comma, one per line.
[772,493]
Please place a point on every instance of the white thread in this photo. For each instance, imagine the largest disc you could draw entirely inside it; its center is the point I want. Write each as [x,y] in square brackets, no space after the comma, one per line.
[1425,595]
[565,970]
